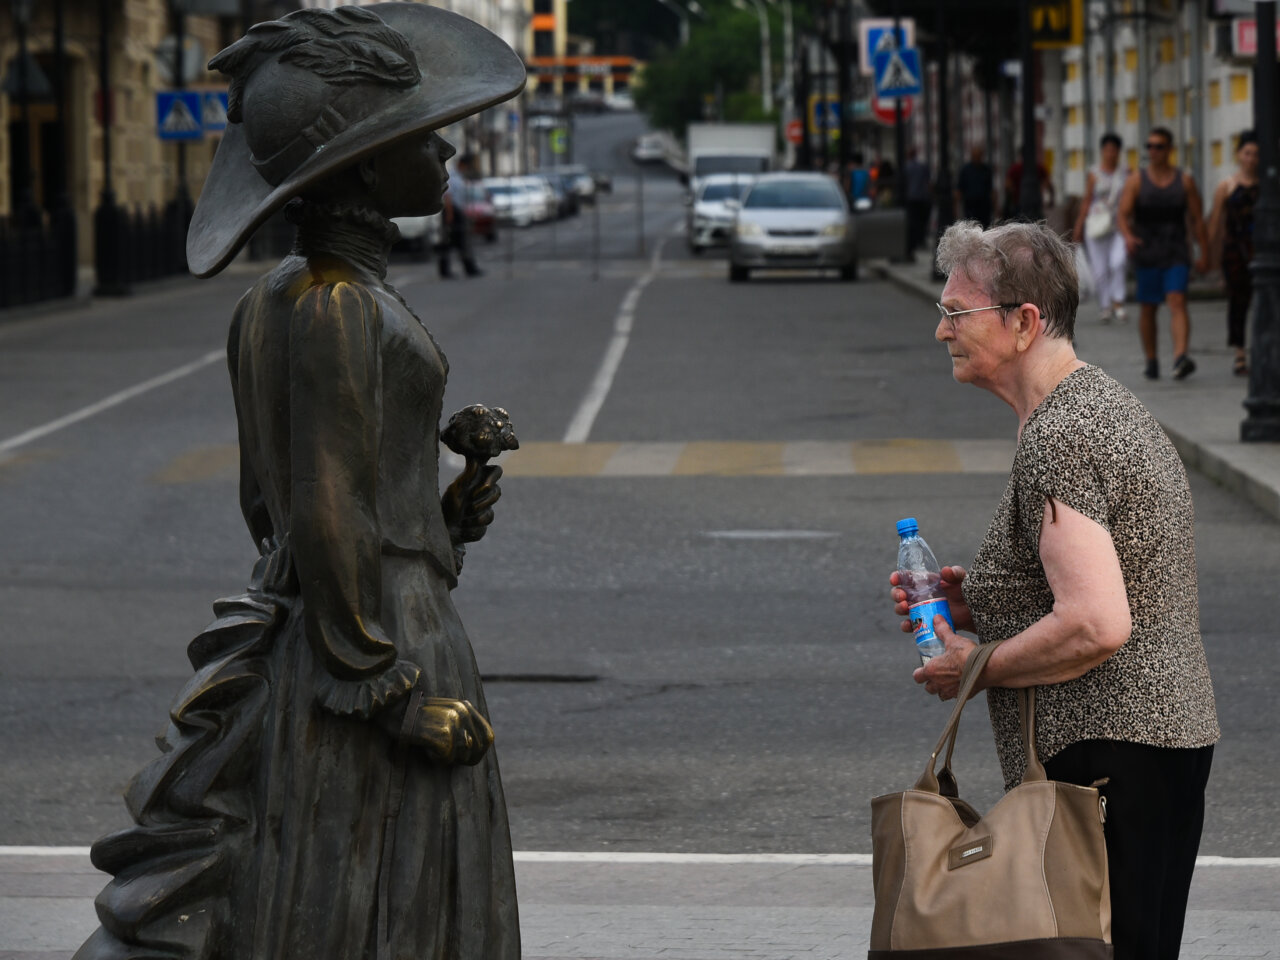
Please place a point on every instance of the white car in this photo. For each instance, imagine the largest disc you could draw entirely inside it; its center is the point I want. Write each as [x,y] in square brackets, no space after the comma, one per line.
[713,208]
[650,148]
[421,234]
[519,200]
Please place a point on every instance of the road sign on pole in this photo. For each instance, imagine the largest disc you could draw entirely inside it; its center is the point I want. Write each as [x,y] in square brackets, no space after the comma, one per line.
[795,131]
[214,110]
[875,35]
[897,73]
[885,111]
[178,115]
[824,114]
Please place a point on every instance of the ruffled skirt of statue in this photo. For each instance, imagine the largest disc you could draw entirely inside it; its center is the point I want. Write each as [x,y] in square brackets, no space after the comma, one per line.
[262,831]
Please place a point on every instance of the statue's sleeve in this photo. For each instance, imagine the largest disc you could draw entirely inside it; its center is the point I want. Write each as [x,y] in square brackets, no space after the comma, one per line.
[335,410]
[252,503]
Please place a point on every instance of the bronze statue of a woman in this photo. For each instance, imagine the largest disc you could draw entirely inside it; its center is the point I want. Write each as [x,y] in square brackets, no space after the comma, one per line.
[327,789]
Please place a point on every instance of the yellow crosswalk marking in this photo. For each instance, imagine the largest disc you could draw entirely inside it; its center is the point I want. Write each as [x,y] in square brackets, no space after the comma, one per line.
[906,456]
[730,460]
[803,458]
[201,463]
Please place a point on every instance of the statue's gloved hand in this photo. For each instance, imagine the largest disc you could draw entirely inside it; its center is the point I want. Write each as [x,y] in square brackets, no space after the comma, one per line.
[451,731]
[468,502]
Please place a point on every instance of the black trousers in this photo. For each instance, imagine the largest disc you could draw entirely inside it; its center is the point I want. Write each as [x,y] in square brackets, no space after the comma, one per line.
[1155,812]
[917,222]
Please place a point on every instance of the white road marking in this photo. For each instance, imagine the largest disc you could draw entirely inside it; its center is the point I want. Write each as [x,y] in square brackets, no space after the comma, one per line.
[580,426]
[692,859]
[106,403]
[770,534]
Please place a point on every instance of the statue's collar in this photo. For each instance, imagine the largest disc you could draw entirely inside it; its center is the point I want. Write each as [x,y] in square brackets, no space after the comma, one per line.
[361,236]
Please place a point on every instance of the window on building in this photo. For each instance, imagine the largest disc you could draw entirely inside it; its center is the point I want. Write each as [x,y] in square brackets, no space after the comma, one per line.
[544,43]
[543,6]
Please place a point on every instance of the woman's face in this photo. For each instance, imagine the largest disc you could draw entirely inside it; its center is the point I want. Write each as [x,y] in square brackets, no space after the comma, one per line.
[1247,158]
[411,176]
[1110,155]
[980,343]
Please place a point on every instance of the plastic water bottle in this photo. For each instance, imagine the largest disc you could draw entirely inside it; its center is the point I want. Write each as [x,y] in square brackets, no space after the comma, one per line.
[921,577]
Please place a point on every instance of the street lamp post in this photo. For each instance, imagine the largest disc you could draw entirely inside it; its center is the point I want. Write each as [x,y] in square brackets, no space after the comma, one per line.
[1263,401]
[683,14]
[766,53]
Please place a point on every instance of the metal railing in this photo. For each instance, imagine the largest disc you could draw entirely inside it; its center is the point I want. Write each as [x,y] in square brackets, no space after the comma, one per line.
[37,260]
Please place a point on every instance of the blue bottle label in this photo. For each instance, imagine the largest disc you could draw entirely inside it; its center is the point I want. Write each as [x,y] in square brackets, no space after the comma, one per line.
[922,615]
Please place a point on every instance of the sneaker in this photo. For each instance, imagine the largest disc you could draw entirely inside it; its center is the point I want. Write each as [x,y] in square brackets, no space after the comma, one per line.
[1121,315]
[1104,317]
[1152,372]
[1183,367]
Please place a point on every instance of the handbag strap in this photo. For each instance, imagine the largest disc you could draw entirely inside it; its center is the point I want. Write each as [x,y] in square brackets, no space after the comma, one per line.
[1027,720]
[968,680]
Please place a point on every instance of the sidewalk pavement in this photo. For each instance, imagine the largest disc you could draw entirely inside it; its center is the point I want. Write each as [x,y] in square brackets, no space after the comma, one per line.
[1201,414]
[579,907]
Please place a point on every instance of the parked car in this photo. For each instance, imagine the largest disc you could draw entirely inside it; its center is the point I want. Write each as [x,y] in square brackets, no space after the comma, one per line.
[712,210]
[419,235]
[649,148]
[480,211]
[793,220]
[518,200]
[564,200]
[576,179]
[621,101]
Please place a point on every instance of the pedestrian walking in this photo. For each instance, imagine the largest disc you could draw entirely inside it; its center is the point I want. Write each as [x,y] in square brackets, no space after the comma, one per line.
[1013,187]
[858,181]
[1087,577]
[1160,203]
[975,192]
[919,188]
[456,229]
[1096,227]
[1231,238]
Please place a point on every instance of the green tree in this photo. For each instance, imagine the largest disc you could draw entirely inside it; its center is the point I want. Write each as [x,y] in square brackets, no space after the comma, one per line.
[720,65]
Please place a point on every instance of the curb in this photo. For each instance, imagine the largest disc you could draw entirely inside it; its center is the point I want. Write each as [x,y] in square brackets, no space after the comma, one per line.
[1195,455]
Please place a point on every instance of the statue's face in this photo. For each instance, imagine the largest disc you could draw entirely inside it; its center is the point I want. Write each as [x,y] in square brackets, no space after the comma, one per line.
[411,177]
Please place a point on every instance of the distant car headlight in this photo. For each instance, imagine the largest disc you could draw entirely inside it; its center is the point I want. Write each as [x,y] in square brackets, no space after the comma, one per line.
[838,229]
[749,229]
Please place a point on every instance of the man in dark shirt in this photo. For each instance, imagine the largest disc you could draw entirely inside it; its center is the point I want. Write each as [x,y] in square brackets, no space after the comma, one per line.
[919,199]
[975,189]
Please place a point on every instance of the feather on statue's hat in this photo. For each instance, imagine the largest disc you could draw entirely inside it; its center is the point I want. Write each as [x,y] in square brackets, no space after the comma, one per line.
[319,90]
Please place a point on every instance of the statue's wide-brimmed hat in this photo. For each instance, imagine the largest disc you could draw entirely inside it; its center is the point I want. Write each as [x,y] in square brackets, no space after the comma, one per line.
[319,90]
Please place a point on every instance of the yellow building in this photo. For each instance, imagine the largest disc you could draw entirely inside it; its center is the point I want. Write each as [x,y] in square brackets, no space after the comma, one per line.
[556,69]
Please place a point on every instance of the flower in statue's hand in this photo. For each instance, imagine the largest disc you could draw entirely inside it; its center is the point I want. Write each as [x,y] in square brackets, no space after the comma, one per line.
[480,433]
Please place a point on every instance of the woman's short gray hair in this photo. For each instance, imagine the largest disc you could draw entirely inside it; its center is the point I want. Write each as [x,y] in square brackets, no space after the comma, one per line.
[1017,263]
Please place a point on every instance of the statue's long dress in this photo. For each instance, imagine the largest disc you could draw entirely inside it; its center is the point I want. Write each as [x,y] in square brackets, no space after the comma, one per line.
[262,831]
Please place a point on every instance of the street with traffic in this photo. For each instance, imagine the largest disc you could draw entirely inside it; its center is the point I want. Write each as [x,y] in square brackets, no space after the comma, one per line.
[681,612]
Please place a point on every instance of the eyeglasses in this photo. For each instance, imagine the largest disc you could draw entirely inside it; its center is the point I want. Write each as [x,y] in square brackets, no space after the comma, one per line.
[1156,146]
[950,315]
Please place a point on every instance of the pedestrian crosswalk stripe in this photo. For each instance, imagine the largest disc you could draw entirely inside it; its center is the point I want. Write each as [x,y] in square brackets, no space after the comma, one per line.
[803,458]
[806,458]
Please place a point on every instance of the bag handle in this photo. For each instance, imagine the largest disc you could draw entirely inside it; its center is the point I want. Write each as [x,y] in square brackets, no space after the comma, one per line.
[944,782]
[1027,720]
[968,680]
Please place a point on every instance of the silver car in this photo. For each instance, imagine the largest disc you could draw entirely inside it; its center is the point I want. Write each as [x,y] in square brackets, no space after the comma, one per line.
[712,209]
[793,220]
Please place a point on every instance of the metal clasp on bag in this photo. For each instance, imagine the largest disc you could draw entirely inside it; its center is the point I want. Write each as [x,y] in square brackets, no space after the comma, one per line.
[1102,801]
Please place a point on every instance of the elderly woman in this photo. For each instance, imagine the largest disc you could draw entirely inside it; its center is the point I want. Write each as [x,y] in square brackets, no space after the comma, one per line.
[328,788]
[1088,575]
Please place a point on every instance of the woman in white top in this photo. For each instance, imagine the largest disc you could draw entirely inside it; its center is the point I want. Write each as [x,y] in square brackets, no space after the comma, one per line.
[1096,226]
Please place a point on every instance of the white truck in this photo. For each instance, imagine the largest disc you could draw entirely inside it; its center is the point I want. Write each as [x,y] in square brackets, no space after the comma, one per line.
[742,148]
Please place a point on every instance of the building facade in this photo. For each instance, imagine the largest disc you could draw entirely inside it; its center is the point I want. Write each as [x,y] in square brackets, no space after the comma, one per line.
[140,50]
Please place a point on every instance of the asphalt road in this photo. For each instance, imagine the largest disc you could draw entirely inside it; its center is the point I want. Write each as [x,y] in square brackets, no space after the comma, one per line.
[684,620]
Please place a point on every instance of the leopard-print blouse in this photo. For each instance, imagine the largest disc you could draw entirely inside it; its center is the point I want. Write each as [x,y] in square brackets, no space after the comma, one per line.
[1093,446]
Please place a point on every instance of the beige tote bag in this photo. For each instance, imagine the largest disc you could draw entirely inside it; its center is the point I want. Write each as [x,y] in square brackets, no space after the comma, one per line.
[1028,881]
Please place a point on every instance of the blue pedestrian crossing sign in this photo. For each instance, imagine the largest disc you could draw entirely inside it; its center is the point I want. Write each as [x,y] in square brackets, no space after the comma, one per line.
[897,72]
[178,115]
[213,107]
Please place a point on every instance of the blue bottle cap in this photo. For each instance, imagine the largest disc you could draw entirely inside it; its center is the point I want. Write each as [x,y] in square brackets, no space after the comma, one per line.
[908,527]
